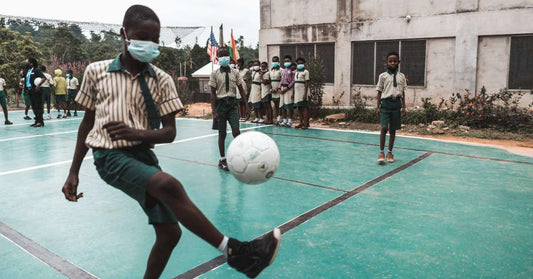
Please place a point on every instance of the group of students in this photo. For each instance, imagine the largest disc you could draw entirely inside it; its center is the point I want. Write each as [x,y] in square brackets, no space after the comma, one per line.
[38,95]
[275,91]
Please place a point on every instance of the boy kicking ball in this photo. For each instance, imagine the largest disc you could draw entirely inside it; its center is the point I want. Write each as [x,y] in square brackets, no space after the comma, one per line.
[391,104]
[122,133]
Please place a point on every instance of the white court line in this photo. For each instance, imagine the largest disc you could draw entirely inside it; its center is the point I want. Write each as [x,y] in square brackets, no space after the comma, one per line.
[36,136]
[45,122]
[90,157]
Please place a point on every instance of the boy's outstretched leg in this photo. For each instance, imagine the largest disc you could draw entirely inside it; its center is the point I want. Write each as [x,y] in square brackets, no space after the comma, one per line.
[167,237]
[392,137]
[382,138]
[249,258]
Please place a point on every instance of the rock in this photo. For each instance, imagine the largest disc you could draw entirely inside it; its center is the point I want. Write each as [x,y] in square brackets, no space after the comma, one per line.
[403,126]
[342,123]
[437,123]
[438,131]
[432,126]
[446,128]
[335,117]
[421,125]
[464,128]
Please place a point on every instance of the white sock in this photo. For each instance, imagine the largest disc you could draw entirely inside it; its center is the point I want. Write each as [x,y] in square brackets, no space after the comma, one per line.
[223,246]
[278,118]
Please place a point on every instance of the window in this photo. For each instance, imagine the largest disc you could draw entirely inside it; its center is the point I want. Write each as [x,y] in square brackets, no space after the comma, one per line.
[413,62]
[326,52]
[521,63]
[363,63]
[369,60]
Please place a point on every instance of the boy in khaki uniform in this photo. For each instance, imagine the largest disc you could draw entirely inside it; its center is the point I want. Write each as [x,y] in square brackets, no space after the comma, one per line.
[275,79]
[301,93]
[224,83]
[126,101]
[391,104]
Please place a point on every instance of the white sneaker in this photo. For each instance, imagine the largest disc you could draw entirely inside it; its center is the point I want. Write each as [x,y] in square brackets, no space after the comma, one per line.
[255,120]
[283,123]
[261,121]
[289,123]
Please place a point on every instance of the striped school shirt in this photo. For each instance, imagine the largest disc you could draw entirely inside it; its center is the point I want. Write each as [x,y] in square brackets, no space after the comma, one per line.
[115,95]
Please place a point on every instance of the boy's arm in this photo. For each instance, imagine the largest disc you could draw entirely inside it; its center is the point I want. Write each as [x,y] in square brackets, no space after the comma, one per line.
[71,185]
[213,103]
[120,131]
[378,107]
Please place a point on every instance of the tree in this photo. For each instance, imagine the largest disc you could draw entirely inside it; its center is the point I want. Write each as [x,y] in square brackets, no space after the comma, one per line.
[14,50]
[67,47]
[316,84]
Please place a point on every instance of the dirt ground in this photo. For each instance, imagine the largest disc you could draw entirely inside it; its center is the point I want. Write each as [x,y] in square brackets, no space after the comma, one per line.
[520,147]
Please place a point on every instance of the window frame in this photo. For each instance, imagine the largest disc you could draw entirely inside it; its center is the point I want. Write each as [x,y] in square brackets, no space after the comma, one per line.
[508,77]
[375,60]
[314,53]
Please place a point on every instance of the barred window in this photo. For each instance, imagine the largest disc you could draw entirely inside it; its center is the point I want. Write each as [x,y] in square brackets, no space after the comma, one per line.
[369,60]
[413,62]
[363,63]
[326,52]
[521,63]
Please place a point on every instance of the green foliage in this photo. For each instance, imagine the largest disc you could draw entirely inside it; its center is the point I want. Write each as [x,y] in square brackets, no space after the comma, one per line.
[14,50]
[316,84]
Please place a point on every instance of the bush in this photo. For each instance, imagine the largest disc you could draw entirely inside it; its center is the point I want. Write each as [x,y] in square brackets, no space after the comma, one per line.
[498,111]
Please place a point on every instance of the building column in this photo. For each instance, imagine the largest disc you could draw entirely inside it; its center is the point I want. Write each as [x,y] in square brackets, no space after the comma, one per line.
[466,45]
[343,60]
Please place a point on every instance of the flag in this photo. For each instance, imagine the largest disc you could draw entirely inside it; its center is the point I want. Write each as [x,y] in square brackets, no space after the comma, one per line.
[212,48]
[234,52]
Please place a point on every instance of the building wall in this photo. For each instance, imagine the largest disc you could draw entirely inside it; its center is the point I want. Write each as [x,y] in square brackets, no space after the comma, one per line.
[451,28]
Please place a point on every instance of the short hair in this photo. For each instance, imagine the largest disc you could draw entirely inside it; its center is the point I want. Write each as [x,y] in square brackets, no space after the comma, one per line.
[69,71]
[264,63]
[222,49]
[257,61]
[33,61]
[138,13]
[287,56]
[393,53]
[275,57]
[293,64]
[240,60]
[42,68]
[300,59]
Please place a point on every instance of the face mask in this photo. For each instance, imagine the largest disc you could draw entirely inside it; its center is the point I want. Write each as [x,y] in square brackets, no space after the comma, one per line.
[232,66]
[143,51]
[287,64]
[224,61]
[256,68]
[69,75]
[275,64]
[300,67]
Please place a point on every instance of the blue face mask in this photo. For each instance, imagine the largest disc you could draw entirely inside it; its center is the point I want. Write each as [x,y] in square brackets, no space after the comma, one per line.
[300,67]
[143,51]
[287,64]
[275,64]
[69,75]
[223,61]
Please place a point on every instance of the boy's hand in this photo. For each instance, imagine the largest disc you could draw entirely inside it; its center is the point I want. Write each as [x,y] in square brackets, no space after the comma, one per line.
[379,111]
[403,112]
[119,131]
[70,188]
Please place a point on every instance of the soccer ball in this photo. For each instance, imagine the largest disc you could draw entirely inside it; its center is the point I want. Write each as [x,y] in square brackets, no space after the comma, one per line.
[37,81]
[253,157]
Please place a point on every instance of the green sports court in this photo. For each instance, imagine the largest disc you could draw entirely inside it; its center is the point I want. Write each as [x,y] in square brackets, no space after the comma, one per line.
[442,210]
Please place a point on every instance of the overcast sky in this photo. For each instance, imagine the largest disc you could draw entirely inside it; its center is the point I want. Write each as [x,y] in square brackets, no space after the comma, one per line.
[241,15]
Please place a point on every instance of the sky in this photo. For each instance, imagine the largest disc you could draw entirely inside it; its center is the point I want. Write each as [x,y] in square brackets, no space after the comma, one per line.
[241,15]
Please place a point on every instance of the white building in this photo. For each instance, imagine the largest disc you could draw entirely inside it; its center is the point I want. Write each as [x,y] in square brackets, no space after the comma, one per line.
[445,46]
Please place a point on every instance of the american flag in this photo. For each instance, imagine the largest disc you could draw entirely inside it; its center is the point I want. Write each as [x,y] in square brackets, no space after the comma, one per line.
[212,47]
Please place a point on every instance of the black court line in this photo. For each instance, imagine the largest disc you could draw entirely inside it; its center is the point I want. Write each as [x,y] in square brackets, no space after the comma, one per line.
[220,260]
[275,177]
[404,148]
[63,266]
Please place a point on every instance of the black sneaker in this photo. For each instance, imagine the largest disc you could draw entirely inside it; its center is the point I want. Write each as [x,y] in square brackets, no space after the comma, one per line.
[27,117]
[252,257]
[223,164]
[7,122]
[75,114]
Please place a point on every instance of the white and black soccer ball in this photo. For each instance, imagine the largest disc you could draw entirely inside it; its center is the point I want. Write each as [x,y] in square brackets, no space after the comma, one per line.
[253,157]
